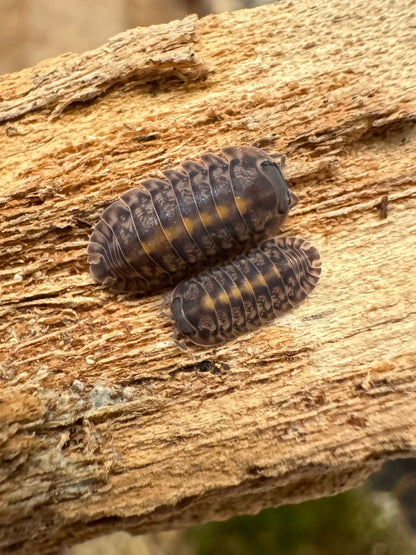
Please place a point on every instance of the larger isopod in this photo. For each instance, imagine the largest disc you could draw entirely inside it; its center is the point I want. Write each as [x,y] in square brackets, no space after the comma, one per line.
[247,292]
[163,231]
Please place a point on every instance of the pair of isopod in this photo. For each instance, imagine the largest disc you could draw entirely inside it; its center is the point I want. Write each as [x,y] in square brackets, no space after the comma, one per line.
[163,232]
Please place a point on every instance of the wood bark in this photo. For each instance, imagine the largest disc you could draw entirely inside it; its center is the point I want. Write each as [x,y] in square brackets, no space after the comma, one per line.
[105,423]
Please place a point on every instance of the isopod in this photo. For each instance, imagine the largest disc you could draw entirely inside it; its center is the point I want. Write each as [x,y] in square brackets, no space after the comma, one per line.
[247,292]
[163,231]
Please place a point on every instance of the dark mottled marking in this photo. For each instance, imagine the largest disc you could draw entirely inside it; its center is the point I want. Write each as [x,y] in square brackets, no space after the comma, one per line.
[384,207]
[236,299]
[164,231]
[247,292]
[146,138]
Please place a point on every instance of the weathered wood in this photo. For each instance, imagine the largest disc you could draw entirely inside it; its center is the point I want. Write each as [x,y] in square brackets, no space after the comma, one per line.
[105,423]
[138,56]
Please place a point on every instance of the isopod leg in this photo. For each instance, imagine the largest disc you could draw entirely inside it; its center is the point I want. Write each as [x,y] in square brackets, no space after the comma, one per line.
[181,345]
[165,303]
[281,158]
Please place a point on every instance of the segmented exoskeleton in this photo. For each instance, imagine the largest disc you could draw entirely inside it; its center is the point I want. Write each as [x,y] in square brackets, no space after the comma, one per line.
[161,232]
[247,292]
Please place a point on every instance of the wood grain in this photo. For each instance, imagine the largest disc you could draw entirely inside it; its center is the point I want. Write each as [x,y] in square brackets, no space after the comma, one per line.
[142,55]
[105,423]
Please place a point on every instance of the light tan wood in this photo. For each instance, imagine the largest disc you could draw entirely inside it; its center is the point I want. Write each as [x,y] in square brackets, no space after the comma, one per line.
[105,423]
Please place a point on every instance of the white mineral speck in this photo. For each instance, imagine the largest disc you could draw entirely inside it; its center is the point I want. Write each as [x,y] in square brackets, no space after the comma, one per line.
[253,125]
[78,385]
[164,344]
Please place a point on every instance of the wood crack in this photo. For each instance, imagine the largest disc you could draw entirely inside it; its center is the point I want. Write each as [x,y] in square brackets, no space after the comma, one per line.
[104,422]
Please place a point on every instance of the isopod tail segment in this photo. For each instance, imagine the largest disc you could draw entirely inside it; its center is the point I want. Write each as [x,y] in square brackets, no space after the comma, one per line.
[246,292]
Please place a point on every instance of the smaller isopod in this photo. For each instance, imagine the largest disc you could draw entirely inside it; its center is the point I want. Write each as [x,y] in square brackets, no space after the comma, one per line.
[247,292]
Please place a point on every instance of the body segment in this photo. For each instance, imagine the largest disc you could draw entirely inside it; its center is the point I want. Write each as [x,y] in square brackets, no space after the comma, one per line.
[164,231]
[246,292]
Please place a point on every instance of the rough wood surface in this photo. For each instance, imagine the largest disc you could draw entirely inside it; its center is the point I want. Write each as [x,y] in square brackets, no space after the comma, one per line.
[104,423]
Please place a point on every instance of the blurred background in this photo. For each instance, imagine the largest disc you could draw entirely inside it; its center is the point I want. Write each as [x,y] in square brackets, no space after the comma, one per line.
[377,519]
[32,30]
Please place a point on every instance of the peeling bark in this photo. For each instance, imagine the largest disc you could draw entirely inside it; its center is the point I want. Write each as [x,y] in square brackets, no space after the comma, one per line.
[105,423]
[142,55]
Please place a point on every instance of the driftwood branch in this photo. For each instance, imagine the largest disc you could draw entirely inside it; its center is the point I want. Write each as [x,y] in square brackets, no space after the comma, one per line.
[104,423]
